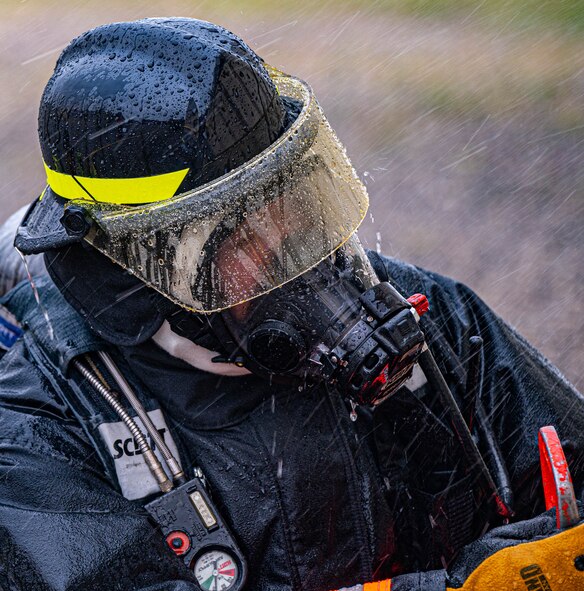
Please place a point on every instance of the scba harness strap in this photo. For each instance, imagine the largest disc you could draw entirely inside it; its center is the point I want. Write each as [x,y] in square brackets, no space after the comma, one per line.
[116,445]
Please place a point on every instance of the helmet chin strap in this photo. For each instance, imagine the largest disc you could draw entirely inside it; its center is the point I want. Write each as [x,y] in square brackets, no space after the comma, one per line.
[194,354]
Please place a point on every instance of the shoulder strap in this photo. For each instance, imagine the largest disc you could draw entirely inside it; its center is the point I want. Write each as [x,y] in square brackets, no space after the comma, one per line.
[109,435]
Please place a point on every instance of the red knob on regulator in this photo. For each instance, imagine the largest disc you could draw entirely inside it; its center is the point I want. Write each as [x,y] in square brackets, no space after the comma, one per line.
[420,303]
[178,542]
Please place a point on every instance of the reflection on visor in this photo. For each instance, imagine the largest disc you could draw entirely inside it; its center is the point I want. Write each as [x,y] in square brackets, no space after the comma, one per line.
[250,231]
[271,245]
[254,257]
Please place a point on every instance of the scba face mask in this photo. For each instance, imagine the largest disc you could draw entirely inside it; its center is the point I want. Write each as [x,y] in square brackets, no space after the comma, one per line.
[335,323]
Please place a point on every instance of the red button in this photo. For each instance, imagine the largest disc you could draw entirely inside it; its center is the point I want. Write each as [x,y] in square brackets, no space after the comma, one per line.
[178,542]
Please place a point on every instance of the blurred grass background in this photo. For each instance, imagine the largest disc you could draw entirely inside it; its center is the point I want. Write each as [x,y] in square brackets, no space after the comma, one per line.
[464,118]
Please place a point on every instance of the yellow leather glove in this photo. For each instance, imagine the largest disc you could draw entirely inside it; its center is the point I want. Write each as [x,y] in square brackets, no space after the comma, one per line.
[529,555]
[555,563]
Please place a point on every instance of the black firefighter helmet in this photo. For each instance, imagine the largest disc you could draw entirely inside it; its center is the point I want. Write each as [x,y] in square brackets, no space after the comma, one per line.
[164,104]
[138,112]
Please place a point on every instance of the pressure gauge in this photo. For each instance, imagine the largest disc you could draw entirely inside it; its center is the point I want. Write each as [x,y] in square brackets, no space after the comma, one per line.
[216,570]
[196,533]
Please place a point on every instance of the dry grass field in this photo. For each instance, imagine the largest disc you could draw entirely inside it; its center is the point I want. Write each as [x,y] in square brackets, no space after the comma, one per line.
[465,120]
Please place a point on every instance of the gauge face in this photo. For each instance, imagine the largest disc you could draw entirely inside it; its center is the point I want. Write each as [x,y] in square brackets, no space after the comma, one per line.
[216,571]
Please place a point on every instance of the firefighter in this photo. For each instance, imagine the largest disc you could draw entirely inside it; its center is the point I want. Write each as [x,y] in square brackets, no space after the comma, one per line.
[215,387]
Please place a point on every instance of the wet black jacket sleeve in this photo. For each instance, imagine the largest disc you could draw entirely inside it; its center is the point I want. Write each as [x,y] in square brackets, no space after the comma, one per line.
[62,526]
[520,390]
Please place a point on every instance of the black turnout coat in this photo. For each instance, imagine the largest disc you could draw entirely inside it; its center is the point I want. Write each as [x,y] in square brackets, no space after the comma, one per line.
[316,500]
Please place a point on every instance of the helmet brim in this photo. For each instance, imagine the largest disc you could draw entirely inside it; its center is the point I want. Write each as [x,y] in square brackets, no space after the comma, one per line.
[41,228]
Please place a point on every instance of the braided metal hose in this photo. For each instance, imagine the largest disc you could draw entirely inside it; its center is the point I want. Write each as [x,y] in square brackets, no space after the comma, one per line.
[151,460]
[172,463]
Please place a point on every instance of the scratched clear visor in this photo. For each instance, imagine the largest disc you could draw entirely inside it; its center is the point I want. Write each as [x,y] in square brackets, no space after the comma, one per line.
[250,231]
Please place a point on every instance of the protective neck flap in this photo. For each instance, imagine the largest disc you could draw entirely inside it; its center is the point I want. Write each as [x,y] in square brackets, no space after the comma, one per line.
[118,307]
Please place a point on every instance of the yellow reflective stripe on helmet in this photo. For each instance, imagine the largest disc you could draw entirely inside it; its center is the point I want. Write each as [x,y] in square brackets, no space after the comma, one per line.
[131,191]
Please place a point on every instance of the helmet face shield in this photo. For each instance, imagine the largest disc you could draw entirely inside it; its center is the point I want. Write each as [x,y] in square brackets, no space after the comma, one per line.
[248,232]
